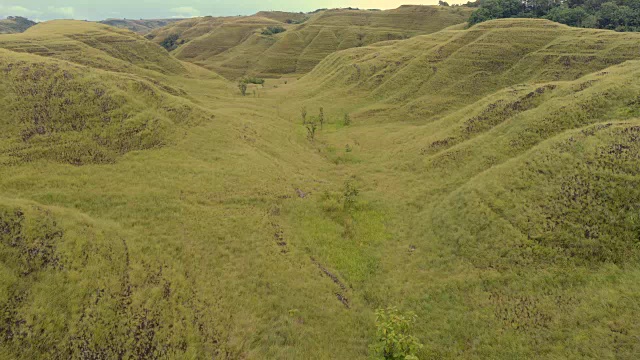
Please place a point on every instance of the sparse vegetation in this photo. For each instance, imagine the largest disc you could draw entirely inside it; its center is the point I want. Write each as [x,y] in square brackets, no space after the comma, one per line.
[312,128]
[350,195]
[243,88]
[346,120]
[321,117]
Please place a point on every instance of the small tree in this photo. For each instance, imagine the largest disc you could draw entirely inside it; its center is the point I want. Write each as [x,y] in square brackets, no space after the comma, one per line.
[350,195]
[347,120]
[321,117]
[243,88]
[394,341]
[312,127]
[303,113]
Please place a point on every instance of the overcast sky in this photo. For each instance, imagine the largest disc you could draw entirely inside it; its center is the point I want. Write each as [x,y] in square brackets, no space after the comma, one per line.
[135,9]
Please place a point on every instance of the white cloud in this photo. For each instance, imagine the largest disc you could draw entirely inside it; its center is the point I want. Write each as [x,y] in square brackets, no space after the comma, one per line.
[67,11]
[185,12]
[18,11]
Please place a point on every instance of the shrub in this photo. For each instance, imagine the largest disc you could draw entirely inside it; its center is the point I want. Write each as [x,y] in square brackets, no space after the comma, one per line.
[394,340]
[243,88]
[170,42]
[347,120]
[312,127]
[292,21]
[350,194]
[272,30]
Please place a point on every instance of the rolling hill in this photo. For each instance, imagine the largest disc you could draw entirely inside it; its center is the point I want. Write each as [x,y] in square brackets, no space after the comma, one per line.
[15,24]
[142,26]
[487,181]
[234,47]
[516,192]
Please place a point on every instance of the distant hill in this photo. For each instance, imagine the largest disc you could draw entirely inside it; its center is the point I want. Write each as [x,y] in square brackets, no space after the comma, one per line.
[139,26]
[283,16]
[95,45]
[238,46]
[15,24]
[429,74]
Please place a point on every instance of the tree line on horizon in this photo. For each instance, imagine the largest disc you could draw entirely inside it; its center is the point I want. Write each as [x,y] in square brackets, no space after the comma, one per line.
[618,15]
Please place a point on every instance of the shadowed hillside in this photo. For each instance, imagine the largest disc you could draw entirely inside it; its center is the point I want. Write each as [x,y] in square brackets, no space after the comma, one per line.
[15,24]
[236,46]
[142,26]
[485,179]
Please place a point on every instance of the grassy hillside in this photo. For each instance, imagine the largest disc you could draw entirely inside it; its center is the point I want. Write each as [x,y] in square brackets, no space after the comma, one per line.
[427,76]
[142,26]
[488,182]
[94,45]
[235,47]
[157,215]
[15,24]
[510,210]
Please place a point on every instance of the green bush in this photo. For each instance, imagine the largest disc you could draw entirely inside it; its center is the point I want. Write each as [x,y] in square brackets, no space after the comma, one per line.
[350,193]
[272,30]
[394,340]
[170,42]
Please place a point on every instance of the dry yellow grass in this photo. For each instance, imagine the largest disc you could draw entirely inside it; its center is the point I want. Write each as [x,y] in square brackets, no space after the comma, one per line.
[235,47]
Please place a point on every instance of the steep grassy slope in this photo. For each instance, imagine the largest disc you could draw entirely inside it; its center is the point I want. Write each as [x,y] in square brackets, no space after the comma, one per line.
[427,76]
[78,115]
[94,45]
[513,210]
[142,26]
[497,179]
[235,47]
[81,114]
[15,24]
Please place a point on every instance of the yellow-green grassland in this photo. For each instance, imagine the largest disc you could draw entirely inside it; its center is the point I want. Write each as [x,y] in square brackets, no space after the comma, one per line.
[486,179]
